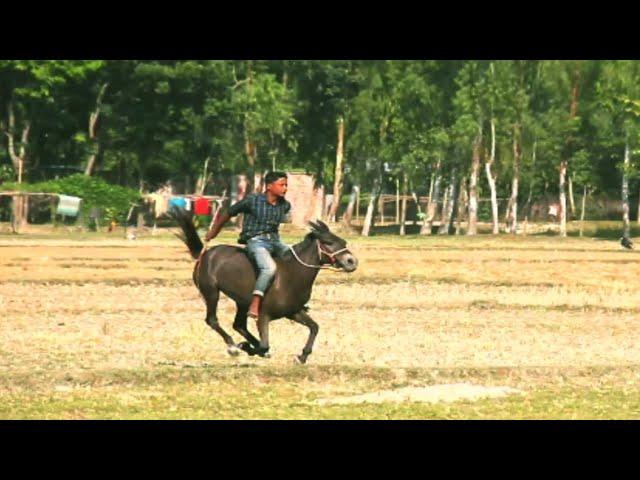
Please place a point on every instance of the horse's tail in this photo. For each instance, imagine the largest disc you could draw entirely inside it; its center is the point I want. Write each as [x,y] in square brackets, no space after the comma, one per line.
[189,235]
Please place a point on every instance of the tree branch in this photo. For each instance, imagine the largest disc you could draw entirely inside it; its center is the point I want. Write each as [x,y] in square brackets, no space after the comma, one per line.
[24,139]
[93,117]
[238,82]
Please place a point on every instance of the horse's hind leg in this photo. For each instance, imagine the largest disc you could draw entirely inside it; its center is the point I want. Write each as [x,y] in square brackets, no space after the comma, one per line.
[304,319]
[240,326]
[211,296]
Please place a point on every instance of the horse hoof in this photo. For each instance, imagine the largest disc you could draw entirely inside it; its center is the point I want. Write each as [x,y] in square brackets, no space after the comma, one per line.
[233,350]
[299,360]
[266,355]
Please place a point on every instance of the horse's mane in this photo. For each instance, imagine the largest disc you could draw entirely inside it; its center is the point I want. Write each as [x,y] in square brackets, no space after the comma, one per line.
[302,243]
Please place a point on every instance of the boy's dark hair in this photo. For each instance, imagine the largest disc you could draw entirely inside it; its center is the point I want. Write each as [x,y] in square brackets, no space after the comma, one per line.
[273,176]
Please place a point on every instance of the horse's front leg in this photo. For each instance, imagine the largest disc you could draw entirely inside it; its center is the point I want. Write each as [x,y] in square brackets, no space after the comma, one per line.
[304,319]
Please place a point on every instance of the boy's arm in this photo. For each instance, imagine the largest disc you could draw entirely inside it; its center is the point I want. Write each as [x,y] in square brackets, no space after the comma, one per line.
[243,206]
[217,226]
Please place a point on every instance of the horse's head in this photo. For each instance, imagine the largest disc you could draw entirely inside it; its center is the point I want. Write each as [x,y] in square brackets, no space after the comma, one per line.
[331,248]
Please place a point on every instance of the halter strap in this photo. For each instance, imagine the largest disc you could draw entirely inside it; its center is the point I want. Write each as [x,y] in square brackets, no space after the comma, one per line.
[331,255]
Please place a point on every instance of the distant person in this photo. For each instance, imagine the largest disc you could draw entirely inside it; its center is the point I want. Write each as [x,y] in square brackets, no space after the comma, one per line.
[626,243]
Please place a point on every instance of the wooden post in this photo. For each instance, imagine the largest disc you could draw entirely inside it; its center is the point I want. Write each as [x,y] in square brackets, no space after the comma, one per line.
[397,200]
[584,197]
[53,211]
[403,216]
[337,184]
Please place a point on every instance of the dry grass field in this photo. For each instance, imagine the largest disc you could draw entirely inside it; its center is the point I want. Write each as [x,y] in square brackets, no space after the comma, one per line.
[97,326]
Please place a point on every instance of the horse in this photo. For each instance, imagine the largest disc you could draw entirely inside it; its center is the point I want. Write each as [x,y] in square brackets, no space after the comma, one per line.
[228,269]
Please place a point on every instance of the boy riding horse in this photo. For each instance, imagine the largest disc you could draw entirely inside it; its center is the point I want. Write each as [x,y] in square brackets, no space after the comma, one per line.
[263,214]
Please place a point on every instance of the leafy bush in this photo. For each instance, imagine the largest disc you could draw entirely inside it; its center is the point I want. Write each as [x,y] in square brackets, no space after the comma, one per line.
[113,201]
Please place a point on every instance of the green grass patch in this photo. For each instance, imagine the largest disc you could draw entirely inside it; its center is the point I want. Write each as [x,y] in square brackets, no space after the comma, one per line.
[263,392]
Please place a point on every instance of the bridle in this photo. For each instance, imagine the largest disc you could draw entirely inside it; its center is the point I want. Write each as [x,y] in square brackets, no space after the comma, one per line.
[331,255]
[321,252]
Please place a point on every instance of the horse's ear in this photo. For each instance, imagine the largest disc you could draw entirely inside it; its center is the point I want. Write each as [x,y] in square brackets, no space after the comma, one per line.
[314,228]
[323,226]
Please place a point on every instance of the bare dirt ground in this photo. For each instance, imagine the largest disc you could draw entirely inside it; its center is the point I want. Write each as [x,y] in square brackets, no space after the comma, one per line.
[71,306]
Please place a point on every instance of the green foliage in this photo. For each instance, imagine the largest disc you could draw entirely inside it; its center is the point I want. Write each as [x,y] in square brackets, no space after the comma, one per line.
[6,173]
[114,201]
[160,120]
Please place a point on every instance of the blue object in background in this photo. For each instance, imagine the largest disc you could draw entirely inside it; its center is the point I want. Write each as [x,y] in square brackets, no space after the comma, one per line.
[178,202]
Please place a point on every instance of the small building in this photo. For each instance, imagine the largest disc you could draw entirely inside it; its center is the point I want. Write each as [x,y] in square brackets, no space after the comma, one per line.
[306,200]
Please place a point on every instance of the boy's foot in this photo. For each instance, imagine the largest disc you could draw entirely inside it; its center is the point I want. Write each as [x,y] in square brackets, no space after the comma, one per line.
[254,308]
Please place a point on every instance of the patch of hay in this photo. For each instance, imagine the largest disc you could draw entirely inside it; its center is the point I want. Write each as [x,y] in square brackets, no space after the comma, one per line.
[433,394]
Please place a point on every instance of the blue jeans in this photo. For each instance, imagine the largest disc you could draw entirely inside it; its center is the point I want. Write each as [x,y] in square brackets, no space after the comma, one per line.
[261,248]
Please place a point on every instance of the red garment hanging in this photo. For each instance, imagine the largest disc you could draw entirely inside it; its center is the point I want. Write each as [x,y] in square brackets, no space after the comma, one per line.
[202,207]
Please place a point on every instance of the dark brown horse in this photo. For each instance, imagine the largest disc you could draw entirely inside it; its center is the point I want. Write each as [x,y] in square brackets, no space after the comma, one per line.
[227,269]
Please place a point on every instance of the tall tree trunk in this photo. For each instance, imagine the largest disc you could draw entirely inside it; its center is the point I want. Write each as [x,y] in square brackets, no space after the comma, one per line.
[377,186]
[572,203]
[19,212]
[403,211]
[638,219]
[348,214]
[463,200]
[447,207]
[337,183]
[431,188]
[250,147]
[625,191]
[93,132]
[202,181]
[370,215]
[381,209]
[473,186]
[533,164]
[397,200]
[517,152]
[418,209]
[434,197]
[492,181]
[563,199]
[584,203]
[18,159]
[573,110]
[20,204]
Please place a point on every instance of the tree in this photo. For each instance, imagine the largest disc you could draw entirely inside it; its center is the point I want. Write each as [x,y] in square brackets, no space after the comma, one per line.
[373,112]
[419,130]
[29,88]
[619,95]
[469,125]
[267,112]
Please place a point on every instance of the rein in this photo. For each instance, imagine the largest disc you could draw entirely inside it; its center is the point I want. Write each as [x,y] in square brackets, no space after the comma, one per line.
[321,252]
